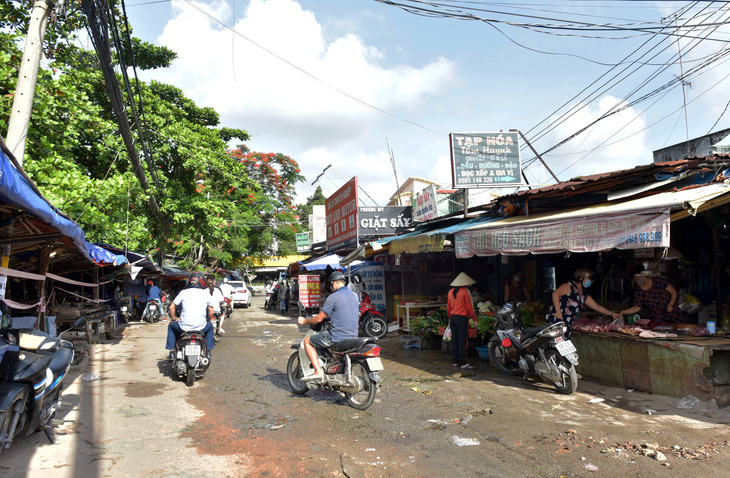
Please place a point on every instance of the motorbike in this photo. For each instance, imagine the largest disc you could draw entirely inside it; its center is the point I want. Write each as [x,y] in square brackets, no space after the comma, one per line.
[372,322]
[153,312]
[351,367]
[190,356]
[32,370]
[272,299]
[541,351]
[125,308]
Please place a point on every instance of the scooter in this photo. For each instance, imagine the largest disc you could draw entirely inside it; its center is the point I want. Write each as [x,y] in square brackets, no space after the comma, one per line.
[125,308]
[351,367]
[272,299]
[32,370]
[372,322]
[152,313]
[540,351]
[191,356]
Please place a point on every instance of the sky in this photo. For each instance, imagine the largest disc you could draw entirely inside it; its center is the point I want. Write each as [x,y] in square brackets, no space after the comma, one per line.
[334,82]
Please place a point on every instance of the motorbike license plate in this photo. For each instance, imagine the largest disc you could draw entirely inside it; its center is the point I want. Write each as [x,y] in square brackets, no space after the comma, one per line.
[153,307]
[375,364]
[123,309]
[192,350]
[565,347]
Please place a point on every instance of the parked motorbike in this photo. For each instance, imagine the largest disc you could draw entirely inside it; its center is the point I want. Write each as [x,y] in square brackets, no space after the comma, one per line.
[153,312]
[125,308]
[191,356]
[372,322]
[32,370]
[540,351]
[351,367]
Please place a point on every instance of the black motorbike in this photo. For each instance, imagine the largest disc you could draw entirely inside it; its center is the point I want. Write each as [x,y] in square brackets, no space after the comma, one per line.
[190,356]
[32,370]
[152,312]
[541,351]
[272,299]
[125,308]
[350,366]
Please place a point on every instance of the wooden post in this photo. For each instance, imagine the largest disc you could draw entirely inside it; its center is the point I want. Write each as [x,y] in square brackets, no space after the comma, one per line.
[44,260]
[717,274]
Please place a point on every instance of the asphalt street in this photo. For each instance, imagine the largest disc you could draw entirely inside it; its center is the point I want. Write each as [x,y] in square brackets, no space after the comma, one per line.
[125,414]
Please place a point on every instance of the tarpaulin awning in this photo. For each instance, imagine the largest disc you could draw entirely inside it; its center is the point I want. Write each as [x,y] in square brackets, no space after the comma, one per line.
[637,224]
[433,240]
[18,192]
[321,263]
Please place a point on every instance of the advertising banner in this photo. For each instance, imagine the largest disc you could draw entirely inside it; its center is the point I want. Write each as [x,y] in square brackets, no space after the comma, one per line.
[342,216]
[302,242]
[373,282]
[485,159]
[425,207]
[637,230]
[310,291]
[318,222]
[384,220]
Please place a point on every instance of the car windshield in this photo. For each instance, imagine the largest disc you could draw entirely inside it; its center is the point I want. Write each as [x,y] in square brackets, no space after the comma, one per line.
[237,284]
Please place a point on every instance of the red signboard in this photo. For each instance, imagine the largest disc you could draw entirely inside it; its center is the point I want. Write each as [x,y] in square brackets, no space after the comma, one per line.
[341,210]
[310,291]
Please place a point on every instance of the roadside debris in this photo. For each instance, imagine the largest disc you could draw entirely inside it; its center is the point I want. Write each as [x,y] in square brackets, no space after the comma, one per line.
[90,377]
[596,400]
[591,467]
[689,402]
[425,392]
[460,441]
[466,419]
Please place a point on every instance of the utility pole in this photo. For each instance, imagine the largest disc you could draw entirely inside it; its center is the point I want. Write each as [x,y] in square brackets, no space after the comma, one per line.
[27,77]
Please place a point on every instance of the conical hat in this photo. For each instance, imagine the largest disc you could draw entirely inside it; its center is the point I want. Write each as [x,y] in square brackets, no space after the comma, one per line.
[462,280]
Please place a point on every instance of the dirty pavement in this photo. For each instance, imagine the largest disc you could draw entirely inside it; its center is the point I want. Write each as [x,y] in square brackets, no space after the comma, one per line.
[125,415]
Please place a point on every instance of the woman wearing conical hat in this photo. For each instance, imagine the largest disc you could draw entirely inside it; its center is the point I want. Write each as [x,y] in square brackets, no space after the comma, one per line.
[460,309]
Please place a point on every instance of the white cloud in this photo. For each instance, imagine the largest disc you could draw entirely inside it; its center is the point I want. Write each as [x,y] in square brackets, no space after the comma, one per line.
[285,109]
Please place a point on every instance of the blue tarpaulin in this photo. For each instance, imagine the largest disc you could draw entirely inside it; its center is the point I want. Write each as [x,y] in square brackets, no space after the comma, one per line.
[17,191]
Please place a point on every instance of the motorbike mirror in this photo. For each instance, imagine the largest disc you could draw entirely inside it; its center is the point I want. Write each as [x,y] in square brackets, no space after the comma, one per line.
[80,322]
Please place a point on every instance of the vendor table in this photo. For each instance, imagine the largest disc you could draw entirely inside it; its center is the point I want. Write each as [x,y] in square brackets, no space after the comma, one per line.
[675,367]
[407,306]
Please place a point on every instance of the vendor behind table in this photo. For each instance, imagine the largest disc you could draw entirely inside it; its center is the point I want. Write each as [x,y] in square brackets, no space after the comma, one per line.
[656,296]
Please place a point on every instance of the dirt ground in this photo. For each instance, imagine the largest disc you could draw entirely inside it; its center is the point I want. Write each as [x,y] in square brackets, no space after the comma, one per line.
[125,415]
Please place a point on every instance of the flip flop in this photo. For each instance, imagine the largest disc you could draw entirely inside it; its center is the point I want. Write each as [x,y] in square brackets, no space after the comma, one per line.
[456,365]
[468,367]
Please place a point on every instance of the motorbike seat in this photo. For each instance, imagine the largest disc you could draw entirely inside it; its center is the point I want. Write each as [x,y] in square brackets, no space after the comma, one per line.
[533,331]
[348,344]
[60,360]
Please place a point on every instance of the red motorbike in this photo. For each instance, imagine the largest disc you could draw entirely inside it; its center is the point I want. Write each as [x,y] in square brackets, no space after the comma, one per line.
[372,322]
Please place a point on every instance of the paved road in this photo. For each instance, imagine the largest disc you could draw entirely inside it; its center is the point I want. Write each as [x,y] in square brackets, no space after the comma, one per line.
[242,420]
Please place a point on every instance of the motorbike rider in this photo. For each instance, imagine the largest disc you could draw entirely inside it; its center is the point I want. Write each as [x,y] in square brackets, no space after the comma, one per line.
[342,307]
[197,310]
[153,294]
[216,294]
[227,290]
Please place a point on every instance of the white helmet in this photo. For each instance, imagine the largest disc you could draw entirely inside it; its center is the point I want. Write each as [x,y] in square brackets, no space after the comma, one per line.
[225,280]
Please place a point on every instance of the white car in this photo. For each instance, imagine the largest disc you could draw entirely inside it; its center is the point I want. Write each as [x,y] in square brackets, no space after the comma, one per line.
[241,293]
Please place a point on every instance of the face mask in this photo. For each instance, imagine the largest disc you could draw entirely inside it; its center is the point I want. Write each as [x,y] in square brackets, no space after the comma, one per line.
[518,279]
[587,283]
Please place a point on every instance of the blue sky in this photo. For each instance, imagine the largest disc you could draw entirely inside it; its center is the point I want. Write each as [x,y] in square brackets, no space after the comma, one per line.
[327,81]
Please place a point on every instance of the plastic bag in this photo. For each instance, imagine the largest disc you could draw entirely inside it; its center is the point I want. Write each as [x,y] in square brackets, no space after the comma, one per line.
[688,303]
[447,334]
[617,323]
[689,402]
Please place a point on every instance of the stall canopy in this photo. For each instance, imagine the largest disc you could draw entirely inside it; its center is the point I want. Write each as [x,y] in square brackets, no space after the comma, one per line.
[20,198]
[321,263]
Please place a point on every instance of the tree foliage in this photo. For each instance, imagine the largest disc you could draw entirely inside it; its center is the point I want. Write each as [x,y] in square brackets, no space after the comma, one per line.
[224,207]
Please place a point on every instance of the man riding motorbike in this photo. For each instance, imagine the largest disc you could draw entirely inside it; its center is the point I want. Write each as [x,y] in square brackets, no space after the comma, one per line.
[216,297]
[227,290]
[153,294]
[342,307]
[197,309]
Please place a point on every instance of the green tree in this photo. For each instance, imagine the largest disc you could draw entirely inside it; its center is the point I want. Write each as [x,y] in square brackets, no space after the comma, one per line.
[304,210]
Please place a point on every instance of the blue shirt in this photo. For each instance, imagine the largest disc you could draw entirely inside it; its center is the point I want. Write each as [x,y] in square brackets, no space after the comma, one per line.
[344,311]
[154,294]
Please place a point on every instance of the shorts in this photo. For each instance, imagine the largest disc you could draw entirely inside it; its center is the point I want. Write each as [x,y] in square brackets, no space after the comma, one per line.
[321,340]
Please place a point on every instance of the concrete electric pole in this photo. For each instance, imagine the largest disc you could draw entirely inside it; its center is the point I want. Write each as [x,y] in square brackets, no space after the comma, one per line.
[27,77]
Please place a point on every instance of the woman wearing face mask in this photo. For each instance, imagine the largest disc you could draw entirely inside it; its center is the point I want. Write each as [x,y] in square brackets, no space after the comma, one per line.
[570,298]
[515,289]
[656,296]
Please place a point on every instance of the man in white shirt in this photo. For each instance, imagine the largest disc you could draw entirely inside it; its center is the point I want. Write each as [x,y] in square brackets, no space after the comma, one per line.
[227,290]
[197,309]
[216,294]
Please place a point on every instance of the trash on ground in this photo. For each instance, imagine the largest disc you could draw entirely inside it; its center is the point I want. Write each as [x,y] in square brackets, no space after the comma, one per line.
[460,441]
[591,467]
[596,400]
[689,402]
[276,427]
[90,377]
[425,392]
[466,419]
[649,411]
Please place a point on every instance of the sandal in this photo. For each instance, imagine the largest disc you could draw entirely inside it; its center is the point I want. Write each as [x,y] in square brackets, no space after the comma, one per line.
[468,367]
[456,365]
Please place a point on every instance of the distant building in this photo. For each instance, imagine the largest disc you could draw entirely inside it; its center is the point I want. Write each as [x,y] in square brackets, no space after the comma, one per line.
[702,146]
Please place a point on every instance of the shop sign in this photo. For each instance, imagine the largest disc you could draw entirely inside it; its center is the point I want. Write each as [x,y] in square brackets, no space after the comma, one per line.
[638,230]
[302,242]
[342,216]
[384,220]
[485,159]
[426,208]
[310,291]
[373,283]
[318,222]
